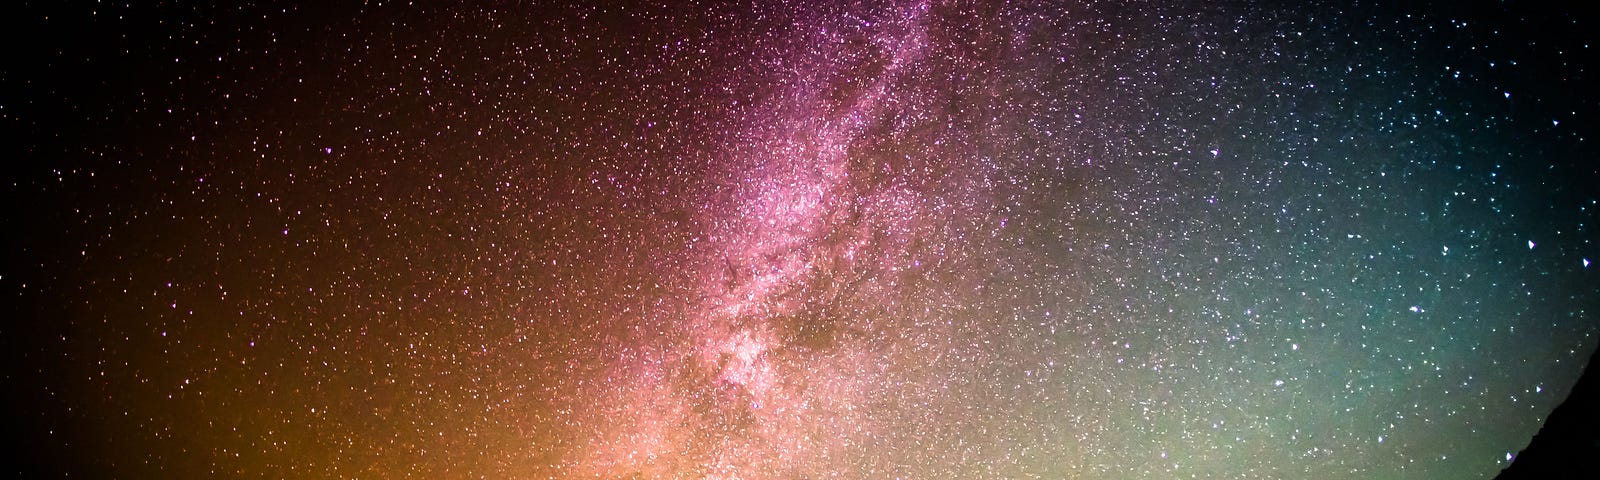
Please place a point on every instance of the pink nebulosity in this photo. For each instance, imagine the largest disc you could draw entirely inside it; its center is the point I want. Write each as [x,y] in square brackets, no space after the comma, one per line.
[746,396]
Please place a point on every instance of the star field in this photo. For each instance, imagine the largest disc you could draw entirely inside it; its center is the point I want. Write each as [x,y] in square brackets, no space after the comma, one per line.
[747,240]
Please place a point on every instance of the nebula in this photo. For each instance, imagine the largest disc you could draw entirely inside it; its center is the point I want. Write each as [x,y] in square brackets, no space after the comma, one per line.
[776,363]
[793,240]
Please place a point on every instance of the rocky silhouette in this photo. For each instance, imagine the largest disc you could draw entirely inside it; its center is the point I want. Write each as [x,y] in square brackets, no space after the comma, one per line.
[1568,446]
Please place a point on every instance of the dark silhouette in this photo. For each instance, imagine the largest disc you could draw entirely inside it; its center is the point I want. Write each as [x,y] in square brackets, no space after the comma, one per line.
[1568,446]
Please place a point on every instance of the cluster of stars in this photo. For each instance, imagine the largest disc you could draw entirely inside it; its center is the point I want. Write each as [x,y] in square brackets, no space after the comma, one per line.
[899,239]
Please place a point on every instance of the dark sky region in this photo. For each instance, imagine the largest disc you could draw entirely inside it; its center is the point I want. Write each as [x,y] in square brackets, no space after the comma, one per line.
[748,240]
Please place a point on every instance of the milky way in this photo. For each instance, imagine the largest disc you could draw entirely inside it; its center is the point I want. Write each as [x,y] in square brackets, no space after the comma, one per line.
[918,239]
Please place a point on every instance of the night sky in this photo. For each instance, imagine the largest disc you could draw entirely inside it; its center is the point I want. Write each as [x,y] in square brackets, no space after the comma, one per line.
[793,240]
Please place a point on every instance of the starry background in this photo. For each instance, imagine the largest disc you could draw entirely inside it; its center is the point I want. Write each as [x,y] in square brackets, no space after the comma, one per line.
[792,239]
